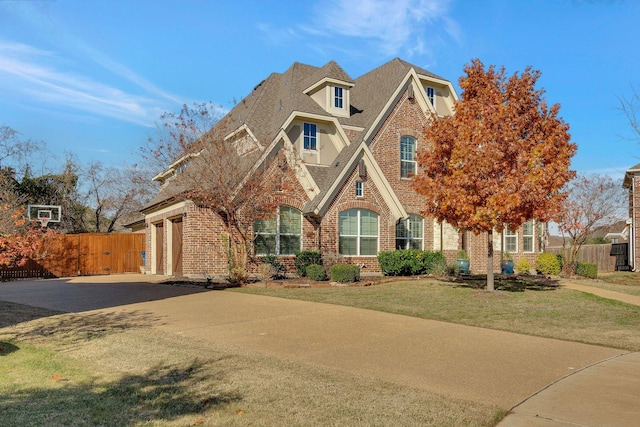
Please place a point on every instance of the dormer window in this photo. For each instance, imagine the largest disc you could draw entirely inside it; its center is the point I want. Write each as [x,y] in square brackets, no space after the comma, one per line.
[338,100]
[431,95]
[310,137]
[332,95]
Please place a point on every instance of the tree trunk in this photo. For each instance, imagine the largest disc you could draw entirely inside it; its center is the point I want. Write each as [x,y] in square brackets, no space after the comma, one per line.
[490,286]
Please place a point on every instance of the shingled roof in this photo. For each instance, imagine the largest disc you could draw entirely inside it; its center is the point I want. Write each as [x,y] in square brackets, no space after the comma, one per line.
[273,100]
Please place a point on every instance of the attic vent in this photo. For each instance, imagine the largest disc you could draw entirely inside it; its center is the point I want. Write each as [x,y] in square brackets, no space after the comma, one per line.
[280,108]
[362,169]
[410,95]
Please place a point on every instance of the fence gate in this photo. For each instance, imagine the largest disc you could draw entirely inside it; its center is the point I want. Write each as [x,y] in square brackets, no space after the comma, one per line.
[67,255]
[621,252]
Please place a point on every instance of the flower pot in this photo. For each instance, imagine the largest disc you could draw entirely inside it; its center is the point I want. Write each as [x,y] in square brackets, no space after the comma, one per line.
[506,266]
[463,266]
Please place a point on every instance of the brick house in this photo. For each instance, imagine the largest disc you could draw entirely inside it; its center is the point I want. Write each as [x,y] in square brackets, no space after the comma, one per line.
[346,152]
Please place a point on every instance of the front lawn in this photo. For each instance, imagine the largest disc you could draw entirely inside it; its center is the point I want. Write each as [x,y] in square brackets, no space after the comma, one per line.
[90,369]
[545,310]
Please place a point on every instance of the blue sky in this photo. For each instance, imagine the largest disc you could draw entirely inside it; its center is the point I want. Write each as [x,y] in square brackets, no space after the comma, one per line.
[92,77]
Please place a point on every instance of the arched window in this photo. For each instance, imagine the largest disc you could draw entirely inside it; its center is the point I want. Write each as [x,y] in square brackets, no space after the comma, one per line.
[358,232]
[409,233]
[279,235]
[408,163]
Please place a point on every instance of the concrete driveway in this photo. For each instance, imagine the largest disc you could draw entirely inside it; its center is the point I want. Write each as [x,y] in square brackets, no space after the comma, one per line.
[549,382]
[480,365]
[77,294]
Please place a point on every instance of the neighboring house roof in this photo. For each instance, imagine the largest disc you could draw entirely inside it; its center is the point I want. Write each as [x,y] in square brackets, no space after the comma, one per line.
[619,230]
[280,98]
[557,241]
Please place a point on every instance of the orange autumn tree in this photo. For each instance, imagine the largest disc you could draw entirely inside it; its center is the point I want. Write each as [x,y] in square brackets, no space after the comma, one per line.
[18,239]
[501,160]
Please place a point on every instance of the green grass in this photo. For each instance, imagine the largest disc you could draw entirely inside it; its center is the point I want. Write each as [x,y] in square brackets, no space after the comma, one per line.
[625,282]
[546,311]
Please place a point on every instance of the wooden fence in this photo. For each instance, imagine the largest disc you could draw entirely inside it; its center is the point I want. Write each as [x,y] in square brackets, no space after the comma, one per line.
[67,255]
[595,254]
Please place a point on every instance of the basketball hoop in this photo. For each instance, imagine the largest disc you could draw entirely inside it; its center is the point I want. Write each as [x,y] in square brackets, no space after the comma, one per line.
[45,214]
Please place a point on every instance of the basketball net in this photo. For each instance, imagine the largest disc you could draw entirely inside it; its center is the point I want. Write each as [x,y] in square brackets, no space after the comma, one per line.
[44,221]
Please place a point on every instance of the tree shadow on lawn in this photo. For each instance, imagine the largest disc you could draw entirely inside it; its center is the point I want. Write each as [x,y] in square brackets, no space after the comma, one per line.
[509,282]
[162,393]
[74,328]
[7,348]
[12,313]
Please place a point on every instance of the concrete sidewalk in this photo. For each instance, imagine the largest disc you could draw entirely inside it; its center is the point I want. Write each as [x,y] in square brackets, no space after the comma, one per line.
[481,365]
[604,293]
[605,394]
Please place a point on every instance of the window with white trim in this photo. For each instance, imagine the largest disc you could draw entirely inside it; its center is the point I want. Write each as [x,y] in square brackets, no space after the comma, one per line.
[528,237]
[279,235]
[310,136]
[408,164]
[359,188]
[431,95]
[338,98]
[358,229]
[510,241]
[409,233]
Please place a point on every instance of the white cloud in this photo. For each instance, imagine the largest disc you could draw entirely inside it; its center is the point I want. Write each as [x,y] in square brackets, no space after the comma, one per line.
[26,71]
[394,25]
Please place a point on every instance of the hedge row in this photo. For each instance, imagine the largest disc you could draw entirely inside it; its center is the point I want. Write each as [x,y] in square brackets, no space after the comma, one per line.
[409,262]
[345,273]
[588,270]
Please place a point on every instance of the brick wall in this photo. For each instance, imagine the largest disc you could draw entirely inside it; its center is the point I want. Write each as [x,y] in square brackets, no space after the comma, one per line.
[346,199]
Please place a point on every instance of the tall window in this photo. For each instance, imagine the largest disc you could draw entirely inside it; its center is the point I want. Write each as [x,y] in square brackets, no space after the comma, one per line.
[527,236]
[407,156]
[310,138]
[409,233]
[279,235]
[359,189]
[510,241]
[431,95]
[358,232]
[337,97]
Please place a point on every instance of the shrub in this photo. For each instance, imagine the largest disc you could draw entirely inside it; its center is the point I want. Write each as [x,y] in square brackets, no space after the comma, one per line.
[277,267]
[316,272]
[440,267]
[432,261]
[523,266]
[407,262]
[399,263]
[238,276]
[588,270]
[344,273]
[266,272]
[306,258]
[547,263]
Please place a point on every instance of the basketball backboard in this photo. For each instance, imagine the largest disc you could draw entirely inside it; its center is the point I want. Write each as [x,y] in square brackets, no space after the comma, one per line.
[45,214]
